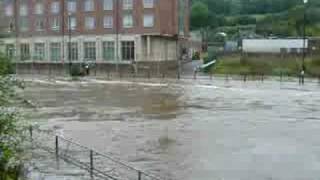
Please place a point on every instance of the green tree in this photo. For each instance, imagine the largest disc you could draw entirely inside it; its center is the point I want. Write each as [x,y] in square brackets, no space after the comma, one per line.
[11,127]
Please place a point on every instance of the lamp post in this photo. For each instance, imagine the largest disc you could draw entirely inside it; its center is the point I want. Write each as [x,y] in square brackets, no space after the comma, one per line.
[303,68]
[69,43]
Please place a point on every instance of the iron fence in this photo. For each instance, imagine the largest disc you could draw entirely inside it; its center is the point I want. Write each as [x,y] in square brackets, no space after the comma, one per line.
[98,165]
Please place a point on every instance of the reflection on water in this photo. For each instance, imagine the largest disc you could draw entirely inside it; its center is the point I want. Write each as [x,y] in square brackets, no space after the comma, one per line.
[193,129]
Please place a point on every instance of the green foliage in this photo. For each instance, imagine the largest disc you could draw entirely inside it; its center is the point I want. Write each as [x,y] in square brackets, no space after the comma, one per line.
[199,15]
[77,70]
[11,126]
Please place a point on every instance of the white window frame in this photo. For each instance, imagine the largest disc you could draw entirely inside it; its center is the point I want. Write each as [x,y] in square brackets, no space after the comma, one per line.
[23,11]
[40,25]
[108,22]
[72,25]
[148,20]
[148,3]
[55,23]
[55,47]
[24,24]
[90,51]
[88,5]
[9,10]
[90,22]
[38,8]
[127,4]
[55,7]
[72,6]
[39,51]
[127,20]
[108,5]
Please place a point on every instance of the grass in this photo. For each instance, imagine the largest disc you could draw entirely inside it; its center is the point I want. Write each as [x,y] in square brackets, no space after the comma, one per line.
[267,65]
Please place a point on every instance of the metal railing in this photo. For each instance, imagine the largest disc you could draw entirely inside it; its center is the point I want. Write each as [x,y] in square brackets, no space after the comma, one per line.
[97,164]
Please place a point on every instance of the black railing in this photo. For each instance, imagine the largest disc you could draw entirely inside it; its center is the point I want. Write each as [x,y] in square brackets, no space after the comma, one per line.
[95,163]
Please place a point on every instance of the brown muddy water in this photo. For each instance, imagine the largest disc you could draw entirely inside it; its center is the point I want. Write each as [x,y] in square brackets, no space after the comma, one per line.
[191,130]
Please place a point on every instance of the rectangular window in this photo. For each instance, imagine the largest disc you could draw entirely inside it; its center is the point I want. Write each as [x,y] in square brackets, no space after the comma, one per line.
[39,51]
[73,51]
[148,3]
[23,10]
[9,10]
[10,50]
[24,52]
[55,23]
[55,7]
[72,23]
[89,51]
[24,24]
[38,9]
[127,4]
[72,6]
[88,5]
[55,51]
[89,23]
[108,50]
[40,25]
[127,50]
[107,5]
[108,22]
[148,20]
[128,21]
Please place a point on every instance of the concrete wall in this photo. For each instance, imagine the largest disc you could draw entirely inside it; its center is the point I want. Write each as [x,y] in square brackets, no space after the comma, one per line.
[272,45]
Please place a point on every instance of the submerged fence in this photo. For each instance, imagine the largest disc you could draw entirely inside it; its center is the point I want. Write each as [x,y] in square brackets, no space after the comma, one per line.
[98,165]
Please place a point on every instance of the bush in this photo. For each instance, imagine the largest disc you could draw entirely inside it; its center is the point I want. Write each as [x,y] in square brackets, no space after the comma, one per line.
[6,67]
[76,70]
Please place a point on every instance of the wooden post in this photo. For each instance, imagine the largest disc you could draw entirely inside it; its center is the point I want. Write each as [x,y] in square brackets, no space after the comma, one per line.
[139,175]
[91,164]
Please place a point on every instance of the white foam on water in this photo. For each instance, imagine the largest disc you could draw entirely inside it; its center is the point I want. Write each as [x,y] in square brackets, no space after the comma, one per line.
[127,83]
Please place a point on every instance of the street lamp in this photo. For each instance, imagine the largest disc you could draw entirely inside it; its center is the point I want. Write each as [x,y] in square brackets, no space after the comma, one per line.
[303,68]
[69,44]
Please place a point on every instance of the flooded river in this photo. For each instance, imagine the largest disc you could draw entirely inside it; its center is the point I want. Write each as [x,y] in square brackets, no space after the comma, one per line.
[191,130]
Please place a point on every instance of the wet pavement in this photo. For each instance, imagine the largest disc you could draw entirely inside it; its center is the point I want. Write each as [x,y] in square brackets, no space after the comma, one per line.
[192,130]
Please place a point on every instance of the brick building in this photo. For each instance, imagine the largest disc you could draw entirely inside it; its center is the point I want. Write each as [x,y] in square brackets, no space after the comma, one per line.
[103,31]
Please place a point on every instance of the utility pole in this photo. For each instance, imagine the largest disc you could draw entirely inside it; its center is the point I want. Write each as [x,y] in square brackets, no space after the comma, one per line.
[62,31]
[69,43]
[303,68]
[15,16]
[117,35]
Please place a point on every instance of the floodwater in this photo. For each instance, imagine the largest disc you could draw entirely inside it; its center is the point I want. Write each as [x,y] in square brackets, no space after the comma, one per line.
[191,130]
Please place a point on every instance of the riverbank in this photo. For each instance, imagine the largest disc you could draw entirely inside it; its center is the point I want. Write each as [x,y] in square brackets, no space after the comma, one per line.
[267,65]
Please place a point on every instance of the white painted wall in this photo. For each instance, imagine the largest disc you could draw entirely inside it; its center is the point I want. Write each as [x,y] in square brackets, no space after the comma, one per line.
[271,45]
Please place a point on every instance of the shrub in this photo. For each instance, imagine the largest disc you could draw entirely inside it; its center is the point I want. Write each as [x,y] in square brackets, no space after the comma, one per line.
[76,70]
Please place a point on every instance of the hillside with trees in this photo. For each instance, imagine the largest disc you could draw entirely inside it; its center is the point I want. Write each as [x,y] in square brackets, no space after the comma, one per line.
[281,18]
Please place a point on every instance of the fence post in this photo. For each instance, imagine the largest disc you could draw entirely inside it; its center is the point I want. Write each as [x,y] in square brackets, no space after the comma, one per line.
[30,131]
[139,175]
[57,151]
[91,164]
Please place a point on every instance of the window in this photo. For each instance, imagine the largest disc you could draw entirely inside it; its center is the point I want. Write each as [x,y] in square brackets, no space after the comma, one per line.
[108,50]
[148,20]
[55,51]
[40,25]
[10,50]
[148,3]
[11,27]
[72,24]
[88,5]
[127,4]
[24,52]
[55,7]
[38,8]
[9,10]
[108,4]
[127,21]
[90,51]
[73,51]
[89,23]
[39,51]
[108,22]
[72,6]
[24,24]
[55,23]
[23,10]
[127,50]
